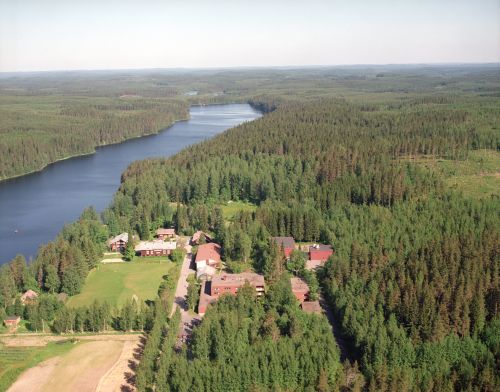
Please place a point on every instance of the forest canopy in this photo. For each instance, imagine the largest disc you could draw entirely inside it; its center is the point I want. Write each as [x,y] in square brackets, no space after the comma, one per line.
[337,159]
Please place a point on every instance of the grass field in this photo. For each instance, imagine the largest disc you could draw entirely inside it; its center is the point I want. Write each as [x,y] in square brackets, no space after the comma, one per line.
[117,283]
[478,176]
[230,209]
[112,255]
[15,360]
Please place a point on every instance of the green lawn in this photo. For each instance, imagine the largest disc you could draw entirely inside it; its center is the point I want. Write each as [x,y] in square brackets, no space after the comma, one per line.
[15,360]
[230,209]
[114,255]
[478,176]
[116,283]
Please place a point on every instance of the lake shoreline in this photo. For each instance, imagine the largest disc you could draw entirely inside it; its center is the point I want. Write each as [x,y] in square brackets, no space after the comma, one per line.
[36,206]
[17,176]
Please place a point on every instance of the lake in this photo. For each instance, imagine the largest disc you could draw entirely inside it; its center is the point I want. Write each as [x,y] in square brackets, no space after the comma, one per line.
[35,207]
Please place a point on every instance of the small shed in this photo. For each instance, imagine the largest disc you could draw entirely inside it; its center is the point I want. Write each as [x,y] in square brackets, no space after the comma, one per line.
[12,321]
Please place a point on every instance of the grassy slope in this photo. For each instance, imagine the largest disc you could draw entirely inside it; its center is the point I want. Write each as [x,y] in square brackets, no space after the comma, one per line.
[232,208]
[15,360]
[117,283]
[478,176]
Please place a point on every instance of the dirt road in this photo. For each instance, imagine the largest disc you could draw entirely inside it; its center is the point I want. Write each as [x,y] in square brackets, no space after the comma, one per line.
[34,340]
[180,298]
[346,351]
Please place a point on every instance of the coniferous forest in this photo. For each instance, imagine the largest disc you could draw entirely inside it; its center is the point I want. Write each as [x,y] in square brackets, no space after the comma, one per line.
[344,157]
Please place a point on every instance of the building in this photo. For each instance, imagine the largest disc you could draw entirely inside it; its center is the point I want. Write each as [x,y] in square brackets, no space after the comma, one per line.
[155,248]
[211,290]
[311,307]
[300,289]
[320,253]
[195,239]
[162,234]
[28,296]
[204,272]
[208,254]
[230,283]
[285,243]
[118,243]
[12,321]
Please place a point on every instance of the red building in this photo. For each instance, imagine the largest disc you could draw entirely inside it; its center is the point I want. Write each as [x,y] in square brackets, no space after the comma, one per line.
[227,284]
[12,321]
[230,283]
[300,289]
[285,243]
[118,243]
[155,248]
[195,239]
[320,253]
[162,234]
[208,254]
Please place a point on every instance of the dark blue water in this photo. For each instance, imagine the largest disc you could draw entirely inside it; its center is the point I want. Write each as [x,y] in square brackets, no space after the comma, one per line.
[34,208]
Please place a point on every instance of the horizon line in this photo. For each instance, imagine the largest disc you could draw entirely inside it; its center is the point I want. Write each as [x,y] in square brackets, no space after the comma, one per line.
[236,67]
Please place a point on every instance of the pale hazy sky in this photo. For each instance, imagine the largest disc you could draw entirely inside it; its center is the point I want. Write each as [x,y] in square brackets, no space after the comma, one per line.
[90,34]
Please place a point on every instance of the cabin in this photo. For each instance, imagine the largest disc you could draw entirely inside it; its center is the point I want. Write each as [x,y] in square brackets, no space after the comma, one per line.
[12,322]
[311,307]
[195,239]
[208,254]
[118,243]
[300,289]
[211,290]
[163,234]
[28,297]
[318,255]
[155,248]
[285,243]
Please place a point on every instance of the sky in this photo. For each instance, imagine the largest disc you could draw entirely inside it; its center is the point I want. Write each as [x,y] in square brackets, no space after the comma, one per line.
[42,35]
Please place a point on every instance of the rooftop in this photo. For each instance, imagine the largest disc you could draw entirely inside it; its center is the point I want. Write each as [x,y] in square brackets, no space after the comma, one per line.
[205,297]
[238,280]
[209,251]
[197,235]
[156,245]
[120,237]
[320,247]
[205,270]
[285,242]
[299,285]
[162,231]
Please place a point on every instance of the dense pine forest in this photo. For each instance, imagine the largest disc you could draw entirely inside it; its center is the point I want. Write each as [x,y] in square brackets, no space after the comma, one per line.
[348,157]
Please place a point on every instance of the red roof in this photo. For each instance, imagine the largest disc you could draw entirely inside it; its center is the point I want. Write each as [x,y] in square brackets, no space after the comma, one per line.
[209,251]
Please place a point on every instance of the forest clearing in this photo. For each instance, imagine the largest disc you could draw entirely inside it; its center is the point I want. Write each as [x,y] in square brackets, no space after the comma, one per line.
[117,283]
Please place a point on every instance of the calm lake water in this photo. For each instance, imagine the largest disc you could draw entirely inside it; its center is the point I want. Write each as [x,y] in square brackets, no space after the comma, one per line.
[35,207]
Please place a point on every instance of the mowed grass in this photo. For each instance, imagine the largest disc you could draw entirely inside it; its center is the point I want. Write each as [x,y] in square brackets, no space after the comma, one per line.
[230,209]
[116,283]
[477,176]
[15,360]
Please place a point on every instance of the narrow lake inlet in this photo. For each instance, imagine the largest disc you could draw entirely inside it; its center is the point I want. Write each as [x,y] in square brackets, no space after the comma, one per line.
[35,207]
